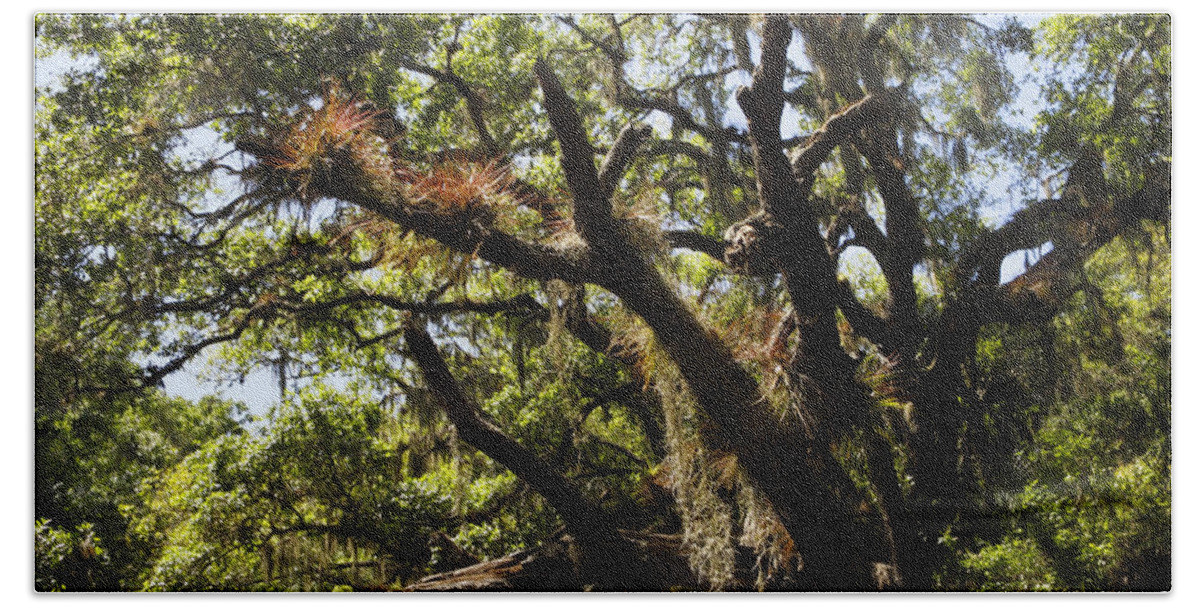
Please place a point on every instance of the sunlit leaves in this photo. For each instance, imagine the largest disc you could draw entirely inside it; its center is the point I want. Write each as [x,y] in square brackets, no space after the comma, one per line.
[1120,100]
[155,235]
[1098,499]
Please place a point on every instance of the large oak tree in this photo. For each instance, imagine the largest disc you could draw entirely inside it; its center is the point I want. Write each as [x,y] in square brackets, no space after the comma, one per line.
[775,241]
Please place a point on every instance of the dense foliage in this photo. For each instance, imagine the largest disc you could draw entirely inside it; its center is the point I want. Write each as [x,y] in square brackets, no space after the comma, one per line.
[658,301]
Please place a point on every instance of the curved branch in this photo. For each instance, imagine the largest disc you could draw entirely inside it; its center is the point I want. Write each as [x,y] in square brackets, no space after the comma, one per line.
[864,322]
[901,211]
[1080,216]
[619,157]
[675,146]
[639,100]
[839,126]
[606,547]
[905,240]
[464,231]
[1042,290]
[867,233]
[615,55]
[687,239]
[155,374]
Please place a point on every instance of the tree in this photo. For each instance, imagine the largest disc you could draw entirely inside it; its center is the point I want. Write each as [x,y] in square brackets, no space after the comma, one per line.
[588,245]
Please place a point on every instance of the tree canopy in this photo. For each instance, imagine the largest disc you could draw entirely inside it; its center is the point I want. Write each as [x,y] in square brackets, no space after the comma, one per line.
[604,301]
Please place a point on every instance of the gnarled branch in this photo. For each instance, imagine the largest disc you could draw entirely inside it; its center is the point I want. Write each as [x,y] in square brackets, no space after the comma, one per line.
[606,548]
[619,157]
[688,239]
[835,130]
[593,208]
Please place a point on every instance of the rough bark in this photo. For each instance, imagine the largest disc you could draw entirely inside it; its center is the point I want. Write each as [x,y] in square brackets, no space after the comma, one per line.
[825,373]
[610,561]
[554,566]
[796,481]
[791,464]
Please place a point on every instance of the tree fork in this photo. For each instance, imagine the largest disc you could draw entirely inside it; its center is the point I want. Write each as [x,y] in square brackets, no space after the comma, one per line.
[838,402]
[821,523]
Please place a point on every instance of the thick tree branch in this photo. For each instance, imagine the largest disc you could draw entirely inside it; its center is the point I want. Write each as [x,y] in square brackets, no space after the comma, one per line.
[762,102]
[1030,227]
[836,130]
[810,493]
[589,524]
[688,239]
[593,207]
[905,238]
[1080,216]
[869,55]
[795,478]
[789,232]
[901,211]
[468,235]
[464,231]
[1035,296]
[878,29]
[1042,290]
[675,146]
[796,246]
[864,322]
[619,157]
[867,233]
[523,303]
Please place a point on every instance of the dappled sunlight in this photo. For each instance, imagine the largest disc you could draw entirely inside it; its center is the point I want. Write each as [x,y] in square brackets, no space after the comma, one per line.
[602,302]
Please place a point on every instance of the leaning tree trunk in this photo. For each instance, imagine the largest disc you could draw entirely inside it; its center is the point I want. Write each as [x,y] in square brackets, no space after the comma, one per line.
[609,561]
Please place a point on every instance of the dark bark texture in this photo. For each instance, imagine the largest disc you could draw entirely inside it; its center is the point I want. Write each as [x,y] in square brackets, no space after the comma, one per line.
[848,540]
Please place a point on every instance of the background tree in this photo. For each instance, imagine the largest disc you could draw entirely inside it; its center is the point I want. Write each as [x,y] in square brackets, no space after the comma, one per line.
[728,285]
